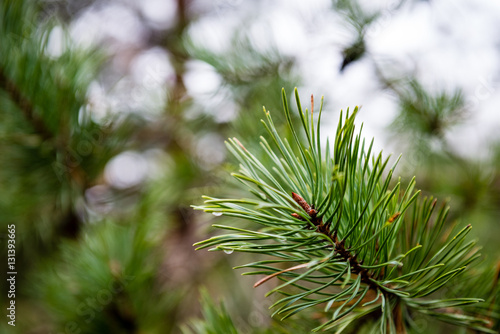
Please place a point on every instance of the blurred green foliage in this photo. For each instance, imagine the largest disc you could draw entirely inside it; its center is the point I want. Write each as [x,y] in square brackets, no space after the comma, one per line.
[96,258]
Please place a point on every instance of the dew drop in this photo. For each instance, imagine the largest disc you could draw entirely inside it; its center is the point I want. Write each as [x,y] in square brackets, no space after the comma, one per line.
[228,251]
[217,213]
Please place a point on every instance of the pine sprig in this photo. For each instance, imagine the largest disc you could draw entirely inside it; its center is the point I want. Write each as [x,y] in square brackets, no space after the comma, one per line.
[339,234]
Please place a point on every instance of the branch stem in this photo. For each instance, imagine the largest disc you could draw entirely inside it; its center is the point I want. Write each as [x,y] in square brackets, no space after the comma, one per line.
[24,105]
[366,276]
[340,249]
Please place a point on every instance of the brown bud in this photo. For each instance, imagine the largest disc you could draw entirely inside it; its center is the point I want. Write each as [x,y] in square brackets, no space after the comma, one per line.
[393,217]
[296,215]
[302,202]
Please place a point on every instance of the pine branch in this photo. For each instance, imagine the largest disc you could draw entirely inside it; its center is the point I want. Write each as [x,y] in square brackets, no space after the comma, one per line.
[24,105]
[346,234]
[340,249]
[366,276]
[28,110]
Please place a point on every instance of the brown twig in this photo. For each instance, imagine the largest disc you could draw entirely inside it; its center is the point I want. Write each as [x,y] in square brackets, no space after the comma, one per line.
[366,276]
[340,249]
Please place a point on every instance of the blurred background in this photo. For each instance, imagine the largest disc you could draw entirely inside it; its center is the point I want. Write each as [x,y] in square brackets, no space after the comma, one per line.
[113,116]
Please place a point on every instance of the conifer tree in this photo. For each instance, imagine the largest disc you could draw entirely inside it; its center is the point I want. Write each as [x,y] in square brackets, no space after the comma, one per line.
[82,269]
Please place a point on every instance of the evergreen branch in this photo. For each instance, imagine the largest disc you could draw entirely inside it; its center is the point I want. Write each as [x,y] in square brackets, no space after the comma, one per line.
[28,110]
[216,318]
[24,105]
[346,234]
[340,249]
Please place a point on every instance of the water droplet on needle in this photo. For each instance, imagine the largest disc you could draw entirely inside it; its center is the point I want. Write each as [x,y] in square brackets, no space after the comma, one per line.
[228,251]
[217,213]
